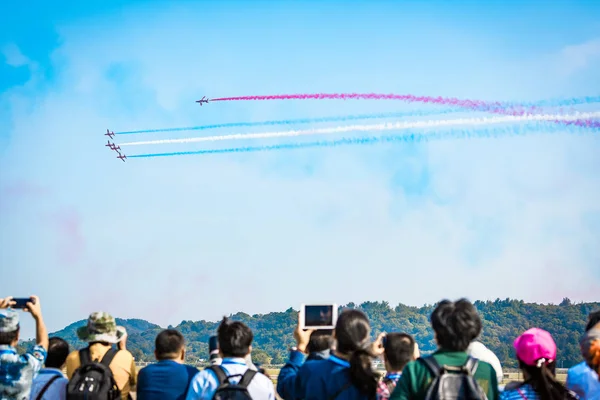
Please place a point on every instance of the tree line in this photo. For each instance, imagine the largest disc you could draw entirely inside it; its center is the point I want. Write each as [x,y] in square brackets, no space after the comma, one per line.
[503,321]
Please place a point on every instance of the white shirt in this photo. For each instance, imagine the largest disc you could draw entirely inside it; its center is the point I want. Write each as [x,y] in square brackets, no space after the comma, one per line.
[205,383]
[56,391]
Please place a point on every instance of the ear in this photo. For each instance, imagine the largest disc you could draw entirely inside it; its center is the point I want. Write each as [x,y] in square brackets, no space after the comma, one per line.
[155,356]
[250,349]
[183,352]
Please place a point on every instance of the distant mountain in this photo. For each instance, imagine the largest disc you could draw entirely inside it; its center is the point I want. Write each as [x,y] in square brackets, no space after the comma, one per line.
[503,321]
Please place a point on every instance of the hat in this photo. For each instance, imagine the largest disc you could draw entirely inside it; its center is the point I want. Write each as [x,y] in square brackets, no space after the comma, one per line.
[535,347]
[101,327]
[9,321]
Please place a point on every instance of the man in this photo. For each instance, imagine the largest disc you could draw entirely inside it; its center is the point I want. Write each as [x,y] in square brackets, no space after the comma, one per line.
[581,379]
[17,372]
[101,332]
[456,325]
[399,350]
[50,383]
[479,351]
[235,344]
[318,348]
[169,378]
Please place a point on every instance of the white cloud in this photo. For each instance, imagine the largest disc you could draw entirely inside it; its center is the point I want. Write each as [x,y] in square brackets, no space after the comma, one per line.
[574,58]
[13,56]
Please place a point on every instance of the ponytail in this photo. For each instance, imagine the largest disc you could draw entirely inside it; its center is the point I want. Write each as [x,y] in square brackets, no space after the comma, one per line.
[542,379]
[362,375]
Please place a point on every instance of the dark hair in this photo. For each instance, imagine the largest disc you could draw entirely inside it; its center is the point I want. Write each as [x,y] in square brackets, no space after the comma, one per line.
[320,340]
[456,324]
[234,337]
[544,383]
[6,338]
[168,344]
[399,350]
[58,351]
[352,332]
[593,320]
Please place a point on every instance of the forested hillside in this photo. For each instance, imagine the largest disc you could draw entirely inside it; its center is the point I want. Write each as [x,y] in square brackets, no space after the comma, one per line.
[503,320]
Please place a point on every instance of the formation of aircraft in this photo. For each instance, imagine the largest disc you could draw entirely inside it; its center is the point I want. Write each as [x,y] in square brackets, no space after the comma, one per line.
[202,100]
[114,147]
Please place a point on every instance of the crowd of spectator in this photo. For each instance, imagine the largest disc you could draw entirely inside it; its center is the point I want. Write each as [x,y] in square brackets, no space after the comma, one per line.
[324,364]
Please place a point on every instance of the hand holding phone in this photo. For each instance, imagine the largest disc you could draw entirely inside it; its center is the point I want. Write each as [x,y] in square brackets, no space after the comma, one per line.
[21,303]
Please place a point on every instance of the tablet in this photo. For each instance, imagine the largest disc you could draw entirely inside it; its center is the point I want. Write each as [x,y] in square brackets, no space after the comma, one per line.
[318,316]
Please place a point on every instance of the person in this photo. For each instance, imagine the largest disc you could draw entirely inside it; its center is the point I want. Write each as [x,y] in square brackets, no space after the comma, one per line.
[590,349]
[169,378]
[479,351]
[17,371]
[399,350]
[101,332]
[536,354]
[318,348]
[456,325]
[581,379]
[50,383]
[347,373]
[235,345]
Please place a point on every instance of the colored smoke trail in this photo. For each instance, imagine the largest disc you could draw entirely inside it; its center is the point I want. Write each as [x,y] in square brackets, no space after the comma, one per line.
[376,127]
[485,133]
[416,113]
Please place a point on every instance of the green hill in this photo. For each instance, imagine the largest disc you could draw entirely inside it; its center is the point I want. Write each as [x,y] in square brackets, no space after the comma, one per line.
[503,320]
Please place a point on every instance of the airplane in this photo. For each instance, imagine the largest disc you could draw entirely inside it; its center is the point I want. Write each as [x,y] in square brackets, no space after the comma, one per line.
[109,134]
[122,157]
[112,146]
[202,100]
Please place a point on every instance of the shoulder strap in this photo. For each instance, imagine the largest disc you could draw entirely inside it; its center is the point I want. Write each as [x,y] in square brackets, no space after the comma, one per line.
[85,356]
[46,386]
[342,389]
[522,394]
[471,365]
[108,357]
[247,377]
[432,365]
[221,375]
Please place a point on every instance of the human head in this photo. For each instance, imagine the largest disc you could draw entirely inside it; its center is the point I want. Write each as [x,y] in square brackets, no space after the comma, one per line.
[400,349]
[535,347]
[9,327]
[590,349]
[593,321]
[320,340]
[479,351]
[101,328]
[58,350]
[169,345]
[235,338]
[456,324]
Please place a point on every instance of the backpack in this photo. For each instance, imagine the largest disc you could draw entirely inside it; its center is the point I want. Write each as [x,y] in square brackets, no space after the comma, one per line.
[93,380]
[453,383]
[231,391]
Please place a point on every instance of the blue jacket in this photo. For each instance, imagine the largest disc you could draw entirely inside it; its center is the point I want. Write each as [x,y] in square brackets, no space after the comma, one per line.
[316,379]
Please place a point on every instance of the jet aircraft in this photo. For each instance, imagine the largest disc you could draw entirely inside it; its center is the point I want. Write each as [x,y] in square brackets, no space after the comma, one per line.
[202,100]
[109,134]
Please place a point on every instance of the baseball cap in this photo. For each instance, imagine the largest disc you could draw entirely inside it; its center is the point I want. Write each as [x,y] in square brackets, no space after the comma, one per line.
[535,346]
[9,320]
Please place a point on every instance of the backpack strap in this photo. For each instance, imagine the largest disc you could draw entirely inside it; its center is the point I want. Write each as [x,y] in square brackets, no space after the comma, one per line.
[247,377]
[432,365]
[46,387]
[471,365]
[342,389]
[85,356]
[219,372]
[108,357]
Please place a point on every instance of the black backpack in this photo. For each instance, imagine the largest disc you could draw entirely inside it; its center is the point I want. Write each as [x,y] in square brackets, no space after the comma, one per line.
[232,391]
[93,380]
[453,383]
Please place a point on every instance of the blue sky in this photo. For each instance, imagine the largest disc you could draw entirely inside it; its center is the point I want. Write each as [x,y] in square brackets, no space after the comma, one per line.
[188,238]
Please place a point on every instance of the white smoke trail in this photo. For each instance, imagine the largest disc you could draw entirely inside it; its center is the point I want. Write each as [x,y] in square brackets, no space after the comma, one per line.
[378,127]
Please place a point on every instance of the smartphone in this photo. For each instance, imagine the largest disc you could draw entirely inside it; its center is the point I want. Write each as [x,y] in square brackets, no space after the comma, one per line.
[318,316]
[21,303]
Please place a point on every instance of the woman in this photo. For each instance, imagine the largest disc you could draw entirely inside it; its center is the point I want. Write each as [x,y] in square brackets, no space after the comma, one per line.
[590,349]
[536,353]
[346,374]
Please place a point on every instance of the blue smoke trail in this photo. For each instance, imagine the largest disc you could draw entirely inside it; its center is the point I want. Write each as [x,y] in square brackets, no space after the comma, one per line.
[302,121]
[496,132]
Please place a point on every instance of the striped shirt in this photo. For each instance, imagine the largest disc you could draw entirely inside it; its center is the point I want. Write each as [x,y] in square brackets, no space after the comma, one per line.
[524,392]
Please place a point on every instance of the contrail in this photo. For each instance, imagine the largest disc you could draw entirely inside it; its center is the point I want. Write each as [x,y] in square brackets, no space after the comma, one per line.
[341,118]
[448,101]
[377,127]
[495,132]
